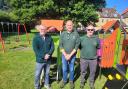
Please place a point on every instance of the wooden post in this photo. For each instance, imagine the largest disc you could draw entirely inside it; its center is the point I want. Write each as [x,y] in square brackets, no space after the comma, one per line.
[26,33]
[2,42]
[18,31]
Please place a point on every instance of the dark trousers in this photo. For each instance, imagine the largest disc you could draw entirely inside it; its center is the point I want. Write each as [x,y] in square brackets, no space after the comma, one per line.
[84,63]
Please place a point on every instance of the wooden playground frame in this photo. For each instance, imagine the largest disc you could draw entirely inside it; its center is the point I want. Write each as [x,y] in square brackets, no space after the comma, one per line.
[2,42]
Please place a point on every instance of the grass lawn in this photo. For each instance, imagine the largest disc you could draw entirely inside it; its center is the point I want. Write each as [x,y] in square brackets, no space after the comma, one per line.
[17,66]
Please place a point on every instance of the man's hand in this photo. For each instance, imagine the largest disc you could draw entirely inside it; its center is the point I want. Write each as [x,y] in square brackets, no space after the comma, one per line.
[46,56]
[68,57]
[65,54]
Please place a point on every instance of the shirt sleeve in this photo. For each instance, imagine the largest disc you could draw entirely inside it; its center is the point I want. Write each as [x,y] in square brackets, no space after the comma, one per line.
[35,45]
[51,47]
[98,43]
[61,42]
[77,41]
[80,43]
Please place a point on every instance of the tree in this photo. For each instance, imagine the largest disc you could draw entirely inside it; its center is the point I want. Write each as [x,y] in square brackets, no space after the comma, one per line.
[28,11]
[84,11]
[81,12]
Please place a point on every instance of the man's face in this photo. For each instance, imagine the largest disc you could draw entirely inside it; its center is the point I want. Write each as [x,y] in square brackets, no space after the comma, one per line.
[43,30]
[90,30]
[69,26]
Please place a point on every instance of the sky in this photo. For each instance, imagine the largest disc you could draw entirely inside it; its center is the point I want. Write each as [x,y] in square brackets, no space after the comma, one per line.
[120,5]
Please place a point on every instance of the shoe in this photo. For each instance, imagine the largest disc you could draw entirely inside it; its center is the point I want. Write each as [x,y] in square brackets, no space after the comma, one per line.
[47,86]
[71,85]
[92,86]
[62,84]
[37,87]
[81,85]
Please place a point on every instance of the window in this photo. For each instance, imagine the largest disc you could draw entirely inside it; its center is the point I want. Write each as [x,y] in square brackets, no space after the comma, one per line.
[102,20]
[115,15]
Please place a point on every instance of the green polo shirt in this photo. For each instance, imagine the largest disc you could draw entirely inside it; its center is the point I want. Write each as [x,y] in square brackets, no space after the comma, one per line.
[69,41]
[89,46]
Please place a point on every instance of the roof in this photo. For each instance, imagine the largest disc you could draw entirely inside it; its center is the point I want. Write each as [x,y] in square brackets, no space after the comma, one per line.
[109,13]
[123,23]
[126,10]
[108,25]
[125,13]
[58,24]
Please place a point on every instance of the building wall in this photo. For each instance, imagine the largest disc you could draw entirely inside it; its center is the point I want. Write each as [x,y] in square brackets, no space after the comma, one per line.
[125,15]
[125,20]
[108,14]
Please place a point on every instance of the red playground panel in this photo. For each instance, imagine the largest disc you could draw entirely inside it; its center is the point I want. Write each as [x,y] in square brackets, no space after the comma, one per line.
[124,53]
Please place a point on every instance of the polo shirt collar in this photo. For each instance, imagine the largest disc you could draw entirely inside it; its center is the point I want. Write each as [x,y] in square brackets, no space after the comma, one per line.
[69,32]
[90,37]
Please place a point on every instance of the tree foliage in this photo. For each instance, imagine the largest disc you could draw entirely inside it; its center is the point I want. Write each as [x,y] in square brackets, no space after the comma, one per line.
[27,11]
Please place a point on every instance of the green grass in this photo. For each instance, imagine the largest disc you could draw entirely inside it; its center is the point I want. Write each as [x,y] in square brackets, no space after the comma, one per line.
[16,70]
[17,67]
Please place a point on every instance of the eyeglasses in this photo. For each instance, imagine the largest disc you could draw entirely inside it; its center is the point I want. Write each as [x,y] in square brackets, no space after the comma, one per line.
[90,29]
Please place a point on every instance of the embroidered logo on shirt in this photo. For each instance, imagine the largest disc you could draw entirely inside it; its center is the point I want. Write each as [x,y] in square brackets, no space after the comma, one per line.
[73,37]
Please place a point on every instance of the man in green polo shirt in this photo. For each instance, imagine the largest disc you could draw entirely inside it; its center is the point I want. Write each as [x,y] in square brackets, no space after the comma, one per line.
[69,43]
[88,46]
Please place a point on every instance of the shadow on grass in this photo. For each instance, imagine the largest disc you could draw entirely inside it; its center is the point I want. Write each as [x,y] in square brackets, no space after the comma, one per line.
[52,74]
[54,68]
[77,70]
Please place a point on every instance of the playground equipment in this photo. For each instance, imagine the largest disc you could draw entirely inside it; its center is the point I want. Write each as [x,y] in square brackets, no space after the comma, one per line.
[2,42]
[7,31]
[57,24]
[27,36]
[12,30]
[114,54]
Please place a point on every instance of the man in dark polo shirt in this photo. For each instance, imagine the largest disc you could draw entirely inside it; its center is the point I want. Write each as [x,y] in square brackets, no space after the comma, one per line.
[88,46]
[43,47]
[69,43]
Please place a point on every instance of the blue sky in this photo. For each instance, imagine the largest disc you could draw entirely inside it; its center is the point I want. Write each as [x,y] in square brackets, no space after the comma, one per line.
[120,5]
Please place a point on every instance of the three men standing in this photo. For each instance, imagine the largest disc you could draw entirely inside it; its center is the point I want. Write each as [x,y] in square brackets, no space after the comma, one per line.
[69,43]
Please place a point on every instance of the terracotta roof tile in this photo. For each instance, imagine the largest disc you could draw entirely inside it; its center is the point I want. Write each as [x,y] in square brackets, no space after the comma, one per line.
[109,13]
[126,10]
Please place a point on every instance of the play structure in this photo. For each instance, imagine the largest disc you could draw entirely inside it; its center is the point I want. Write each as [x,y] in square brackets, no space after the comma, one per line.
[53,25]
[114,56]
[11,32]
